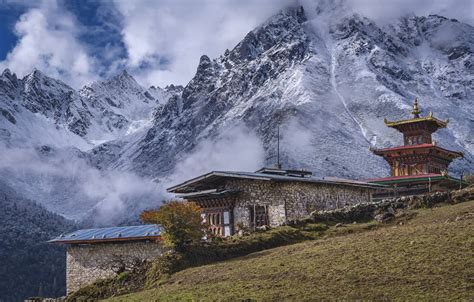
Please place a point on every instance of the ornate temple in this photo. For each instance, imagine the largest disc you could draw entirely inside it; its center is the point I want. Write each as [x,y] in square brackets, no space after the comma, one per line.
[419,166]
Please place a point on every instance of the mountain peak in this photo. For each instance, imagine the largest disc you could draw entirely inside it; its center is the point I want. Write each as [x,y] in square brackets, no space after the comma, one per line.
[6,72]
[284,28]
[35,75]
[124,78]
[204,63]
[35,72]
[124,74]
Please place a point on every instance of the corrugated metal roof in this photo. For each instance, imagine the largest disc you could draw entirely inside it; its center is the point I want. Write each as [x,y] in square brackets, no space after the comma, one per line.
[125,233]
[183,187]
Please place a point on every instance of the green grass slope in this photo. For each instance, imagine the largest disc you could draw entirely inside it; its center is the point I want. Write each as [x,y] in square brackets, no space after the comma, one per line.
[429,257]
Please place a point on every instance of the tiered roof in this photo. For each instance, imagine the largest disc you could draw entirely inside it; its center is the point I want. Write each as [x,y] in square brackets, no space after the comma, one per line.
[453,154]
[430,120]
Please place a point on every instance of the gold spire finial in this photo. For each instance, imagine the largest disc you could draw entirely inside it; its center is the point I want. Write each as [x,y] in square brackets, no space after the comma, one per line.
[416,111]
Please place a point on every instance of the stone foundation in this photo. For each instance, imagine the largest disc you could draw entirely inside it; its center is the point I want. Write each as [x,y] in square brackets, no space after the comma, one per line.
[89,263]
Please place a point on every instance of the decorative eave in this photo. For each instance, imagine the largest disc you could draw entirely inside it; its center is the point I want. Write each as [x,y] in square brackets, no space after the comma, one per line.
[213,193]
[427,119]
[418,119]
[381,152]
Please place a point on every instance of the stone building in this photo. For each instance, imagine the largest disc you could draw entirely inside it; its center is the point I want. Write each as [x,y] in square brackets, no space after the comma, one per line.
[244,200]
[94,254]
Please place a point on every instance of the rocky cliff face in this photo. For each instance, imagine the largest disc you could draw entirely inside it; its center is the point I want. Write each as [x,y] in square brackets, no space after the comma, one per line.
[46,129]
[40,110]
[329,77]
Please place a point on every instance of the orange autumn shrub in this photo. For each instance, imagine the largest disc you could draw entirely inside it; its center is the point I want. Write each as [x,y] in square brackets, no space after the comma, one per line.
[181,222]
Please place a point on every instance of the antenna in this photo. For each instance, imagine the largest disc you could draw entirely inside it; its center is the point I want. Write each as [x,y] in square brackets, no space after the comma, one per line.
[278,147]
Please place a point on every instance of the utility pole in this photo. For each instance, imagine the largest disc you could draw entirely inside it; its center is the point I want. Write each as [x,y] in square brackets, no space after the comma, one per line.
[278,165]
[278,118]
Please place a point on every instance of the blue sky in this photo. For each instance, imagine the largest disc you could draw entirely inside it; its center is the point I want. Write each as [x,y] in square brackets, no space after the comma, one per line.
[8,18]
[158,42]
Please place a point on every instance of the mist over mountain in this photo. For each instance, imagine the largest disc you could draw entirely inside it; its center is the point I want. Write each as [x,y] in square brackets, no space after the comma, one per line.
[326,75]
[329,77]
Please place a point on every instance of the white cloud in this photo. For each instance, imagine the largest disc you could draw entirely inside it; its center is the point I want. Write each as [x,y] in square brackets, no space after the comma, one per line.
[387,10]
[48,39]
[179,32]
[67,184]
[164,39]
[236,148]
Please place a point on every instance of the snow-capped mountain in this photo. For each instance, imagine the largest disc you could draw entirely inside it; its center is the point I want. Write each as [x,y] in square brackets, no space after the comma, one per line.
[39,110]
[322,76]
[330,77]
[327,76]
[46,128]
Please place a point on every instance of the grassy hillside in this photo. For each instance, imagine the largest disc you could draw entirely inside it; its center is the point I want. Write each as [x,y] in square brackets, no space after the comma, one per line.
[429,257]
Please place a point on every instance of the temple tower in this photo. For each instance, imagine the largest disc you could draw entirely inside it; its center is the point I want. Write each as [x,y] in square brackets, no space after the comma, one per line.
[419,159]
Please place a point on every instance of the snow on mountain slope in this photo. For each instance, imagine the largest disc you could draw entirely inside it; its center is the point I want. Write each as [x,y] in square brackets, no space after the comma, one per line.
[327,76]
[121,106]
[45,129]
[330,79]
[41,110]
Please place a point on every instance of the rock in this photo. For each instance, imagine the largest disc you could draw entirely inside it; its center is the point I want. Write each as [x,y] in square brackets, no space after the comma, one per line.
[391,210]
[263,228]
[384,217]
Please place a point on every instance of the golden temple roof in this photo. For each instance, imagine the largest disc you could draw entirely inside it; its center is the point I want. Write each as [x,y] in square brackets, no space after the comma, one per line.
[417,118]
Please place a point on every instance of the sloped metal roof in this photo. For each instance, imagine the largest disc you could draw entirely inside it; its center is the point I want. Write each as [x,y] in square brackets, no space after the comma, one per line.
[125,233]
[190,185]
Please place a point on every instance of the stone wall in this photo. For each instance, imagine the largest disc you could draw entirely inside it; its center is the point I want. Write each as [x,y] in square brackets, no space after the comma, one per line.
[88,263]
[384,210]
[291,200]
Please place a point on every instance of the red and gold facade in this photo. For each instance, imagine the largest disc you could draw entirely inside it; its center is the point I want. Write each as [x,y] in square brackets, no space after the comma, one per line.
[419,156]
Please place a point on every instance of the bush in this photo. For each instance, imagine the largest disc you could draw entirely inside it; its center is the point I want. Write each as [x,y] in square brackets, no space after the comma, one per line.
[469,178]
[181,221]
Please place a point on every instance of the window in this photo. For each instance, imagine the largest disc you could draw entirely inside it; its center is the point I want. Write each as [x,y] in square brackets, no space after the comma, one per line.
[219,222]
[259,216]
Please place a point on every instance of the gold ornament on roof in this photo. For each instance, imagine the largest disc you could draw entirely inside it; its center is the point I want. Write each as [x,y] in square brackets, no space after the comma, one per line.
[416,111]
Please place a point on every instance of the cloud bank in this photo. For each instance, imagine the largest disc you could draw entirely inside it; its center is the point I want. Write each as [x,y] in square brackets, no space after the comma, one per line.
[160,42]
[48,39]
[236,148]
[168,37]
[62,179]
[64,182]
